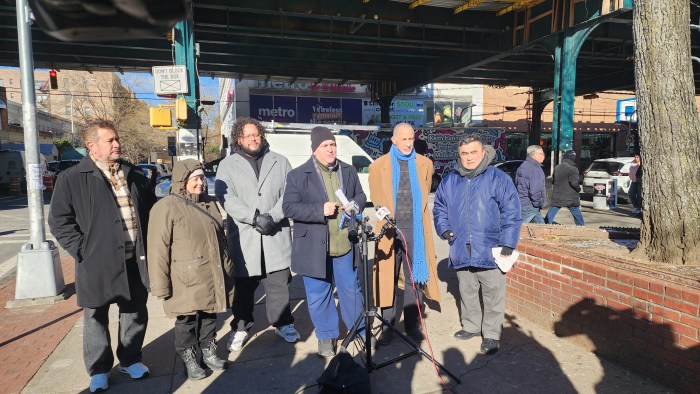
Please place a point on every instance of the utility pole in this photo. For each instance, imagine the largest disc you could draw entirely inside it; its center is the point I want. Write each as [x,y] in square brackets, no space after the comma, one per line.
[39,272]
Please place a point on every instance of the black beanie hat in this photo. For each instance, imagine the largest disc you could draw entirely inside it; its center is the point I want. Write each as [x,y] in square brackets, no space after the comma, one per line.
[320,134]
[569,154]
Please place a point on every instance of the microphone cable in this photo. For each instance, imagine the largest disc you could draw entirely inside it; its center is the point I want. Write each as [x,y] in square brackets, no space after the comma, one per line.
[420,312]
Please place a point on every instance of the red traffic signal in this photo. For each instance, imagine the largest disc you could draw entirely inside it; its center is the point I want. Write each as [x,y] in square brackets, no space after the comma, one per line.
[54,79]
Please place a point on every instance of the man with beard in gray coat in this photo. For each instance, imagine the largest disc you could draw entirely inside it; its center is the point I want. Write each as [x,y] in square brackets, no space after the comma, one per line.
[250,184]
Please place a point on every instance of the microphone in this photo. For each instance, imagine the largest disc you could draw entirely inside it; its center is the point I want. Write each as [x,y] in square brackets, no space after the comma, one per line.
[383,213]
[344,200]
[353,234]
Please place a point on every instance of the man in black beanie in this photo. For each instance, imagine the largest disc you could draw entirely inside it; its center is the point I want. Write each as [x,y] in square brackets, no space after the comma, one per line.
[565,189]
[321,249]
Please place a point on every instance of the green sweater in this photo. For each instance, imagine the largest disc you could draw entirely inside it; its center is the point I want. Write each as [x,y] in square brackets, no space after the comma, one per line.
[338,242]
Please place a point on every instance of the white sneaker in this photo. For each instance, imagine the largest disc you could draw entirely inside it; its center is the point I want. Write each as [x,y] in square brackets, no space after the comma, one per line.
[99,382]
[288,333]
[236,340]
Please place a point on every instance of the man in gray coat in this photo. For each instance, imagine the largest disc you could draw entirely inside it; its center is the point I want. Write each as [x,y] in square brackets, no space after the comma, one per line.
[250,184]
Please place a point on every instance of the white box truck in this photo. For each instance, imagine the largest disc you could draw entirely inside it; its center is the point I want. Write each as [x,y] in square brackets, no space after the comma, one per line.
[293,141]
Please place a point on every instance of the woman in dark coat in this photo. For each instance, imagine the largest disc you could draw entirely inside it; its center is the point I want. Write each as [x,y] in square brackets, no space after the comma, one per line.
[189,265]
[565,189]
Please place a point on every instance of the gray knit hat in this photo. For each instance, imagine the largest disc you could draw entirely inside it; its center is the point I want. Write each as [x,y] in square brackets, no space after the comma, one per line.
[320,134]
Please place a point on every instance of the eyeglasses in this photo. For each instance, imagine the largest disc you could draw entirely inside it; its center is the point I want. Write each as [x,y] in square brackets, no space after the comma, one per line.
[251,136]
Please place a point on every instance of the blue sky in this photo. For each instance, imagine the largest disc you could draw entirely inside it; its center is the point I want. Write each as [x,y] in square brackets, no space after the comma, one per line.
[142,85]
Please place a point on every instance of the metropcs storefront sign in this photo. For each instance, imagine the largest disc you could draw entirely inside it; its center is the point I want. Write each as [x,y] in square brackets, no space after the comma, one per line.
[311,87]
[332,110]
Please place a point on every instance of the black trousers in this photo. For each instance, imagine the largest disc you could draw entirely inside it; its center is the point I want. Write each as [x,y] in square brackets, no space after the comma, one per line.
[277,299]
[193,329]
[409,299]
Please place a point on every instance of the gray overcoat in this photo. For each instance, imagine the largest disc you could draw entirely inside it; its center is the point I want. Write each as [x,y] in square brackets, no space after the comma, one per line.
[241,194]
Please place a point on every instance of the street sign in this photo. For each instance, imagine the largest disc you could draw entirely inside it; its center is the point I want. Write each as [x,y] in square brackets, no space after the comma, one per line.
[171,146]
[170,79]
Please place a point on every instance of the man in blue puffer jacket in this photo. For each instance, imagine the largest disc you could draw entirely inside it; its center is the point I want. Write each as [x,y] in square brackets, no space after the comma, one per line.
[477,209]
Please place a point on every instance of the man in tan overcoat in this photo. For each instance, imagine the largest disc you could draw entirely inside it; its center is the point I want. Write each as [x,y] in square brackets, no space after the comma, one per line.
[405,260]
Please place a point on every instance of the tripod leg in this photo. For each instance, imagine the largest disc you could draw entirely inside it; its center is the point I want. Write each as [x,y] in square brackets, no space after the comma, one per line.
[416,350]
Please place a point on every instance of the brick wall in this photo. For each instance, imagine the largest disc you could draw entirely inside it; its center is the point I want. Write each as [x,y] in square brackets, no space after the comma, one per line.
[645,319]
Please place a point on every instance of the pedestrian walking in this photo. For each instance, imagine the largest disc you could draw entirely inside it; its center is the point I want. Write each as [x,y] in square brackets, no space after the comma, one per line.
[566,186]
[529,182]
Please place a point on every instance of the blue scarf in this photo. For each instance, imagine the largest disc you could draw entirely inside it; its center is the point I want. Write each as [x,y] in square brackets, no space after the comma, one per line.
[419,265]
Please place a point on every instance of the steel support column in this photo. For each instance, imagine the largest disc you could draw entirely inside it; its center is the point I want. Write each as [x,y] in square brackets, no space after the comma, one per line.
[185,54]
[540,99]
[385,108]
[566,52]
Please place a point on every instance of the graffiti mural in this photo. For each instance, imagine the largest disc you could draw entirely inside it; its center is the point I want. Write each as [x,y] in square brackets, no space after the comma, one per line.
[439,144]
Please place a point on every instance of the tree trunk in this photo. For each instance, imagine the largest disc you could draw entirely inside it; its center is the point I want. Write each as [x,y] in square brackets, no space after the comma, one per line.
[669,132]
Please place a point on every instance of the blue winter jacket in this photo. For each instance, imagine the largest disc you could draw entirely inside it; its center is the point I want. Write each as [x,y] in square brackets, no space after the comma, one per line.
[483,212]
[529,181]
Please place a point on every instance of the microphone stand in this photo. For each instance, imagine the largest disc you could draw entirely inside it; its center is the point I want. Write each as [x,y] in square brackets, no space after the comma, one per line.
[366,234]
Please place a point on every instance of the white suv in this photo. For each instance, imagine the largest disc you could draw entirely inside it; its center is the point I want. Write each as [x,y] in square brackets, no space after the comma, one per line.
[617,167]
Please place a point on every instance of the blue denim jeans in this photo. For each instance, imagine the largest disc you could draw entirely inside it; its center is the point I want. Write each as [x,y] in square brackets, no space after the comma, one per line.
[575,212]
[530,214]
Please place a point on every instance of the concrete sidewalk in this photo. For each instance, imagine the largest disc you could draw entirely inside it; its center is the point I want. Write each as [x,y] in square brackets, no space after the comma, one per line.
[531,360]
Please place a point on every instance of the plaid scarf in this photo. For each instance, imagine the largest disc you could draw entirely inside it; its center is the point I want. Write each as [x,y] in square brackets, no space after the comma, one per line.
[115,175]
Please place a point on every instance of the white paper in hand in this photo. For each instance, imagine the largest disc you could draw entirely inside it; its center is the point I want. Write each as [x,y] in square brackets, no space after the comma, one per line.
[504,263]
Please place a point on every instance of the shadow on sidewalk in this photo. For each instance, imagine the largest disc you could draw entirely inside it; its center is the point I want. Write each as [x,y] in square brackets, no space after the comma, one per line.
[521,365]
[642,346]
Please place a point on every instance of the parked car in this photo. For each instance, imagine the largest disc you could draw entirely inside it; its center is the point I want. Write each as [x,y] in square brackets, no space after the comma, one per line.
[13,164]
[163,183]
[510,167]
[617,167]
[64,165]
[52,166]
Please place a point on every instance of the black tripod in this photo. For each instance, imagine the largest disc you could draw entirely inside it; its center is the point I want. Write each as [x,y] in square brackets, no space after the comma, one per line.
[364,235]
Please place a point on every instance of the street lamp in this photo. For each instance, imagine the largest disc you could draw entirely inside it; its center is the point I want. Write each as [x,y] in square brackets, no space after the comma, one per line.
[72,125]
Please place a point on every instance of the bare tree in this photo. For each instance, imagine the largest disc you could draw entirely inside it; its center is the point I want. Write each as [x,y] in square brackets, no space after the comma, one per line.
[138,138]
[669,132]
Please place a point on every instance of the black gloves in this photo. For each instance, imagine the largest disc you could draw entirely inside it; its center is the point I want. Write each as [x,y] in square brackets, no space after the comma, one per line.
[263,223]
[506,251]
[448,235]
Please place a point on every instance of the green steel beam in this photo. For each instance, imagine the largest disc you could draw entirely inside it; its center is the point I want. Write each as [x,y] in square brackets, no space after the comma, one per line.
[183,38]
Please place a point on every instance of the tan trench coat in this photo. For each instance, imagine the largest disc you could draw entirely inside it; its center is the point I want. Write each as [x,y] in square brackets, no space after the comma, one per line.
[188,260]
[381,194]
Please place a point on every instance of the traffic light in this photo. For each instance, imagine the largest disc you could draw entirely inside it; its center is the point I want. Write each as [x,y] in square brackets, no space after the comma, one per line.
[54,79]
[181,110]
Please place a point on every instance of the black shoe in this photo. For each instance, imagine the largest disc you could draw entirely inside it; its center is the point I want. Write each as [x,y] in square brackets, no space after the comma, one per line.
[192,368]
[415,334]
[464,335]
[385,337]
[489,346]
[210,357]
